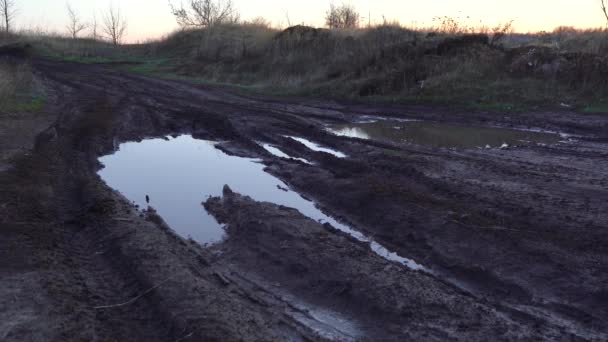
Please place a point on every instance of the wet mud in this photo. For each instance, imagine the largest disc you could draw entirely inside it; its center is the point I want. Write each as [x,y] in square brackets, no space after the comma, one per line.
[512,240]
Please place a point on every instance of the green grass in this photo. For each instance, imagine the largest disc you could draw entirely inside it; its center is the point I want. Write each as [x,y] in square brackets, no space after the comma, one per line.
[499,107]
[159,67]
[32,103]
[19,89]
[96,59]
[598,107]
[164,68]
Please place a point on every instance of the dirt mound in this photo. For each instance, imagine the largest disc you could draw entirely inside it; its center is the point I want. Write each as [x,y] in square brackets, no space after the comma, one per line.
[453,45]
[573,68]
[301,38]
[302,33]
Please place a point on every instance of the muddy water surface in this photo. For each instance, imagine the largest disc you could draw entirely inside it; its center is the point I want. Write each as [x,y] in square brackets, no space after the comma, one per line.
[180,173]
[442,135]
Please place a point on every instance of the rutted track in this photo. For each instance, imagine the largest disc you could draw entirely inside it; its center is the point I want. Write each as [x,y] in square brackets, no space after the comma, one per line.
[522,231]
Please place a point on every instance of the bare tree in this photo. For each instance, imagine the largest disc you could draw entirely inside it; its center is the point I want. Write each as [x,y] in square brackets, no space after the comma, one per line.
[94,31]
[75,25]
[114,25]
[8,11]
[288,19]
[205,13]
[604,5]
[342,17]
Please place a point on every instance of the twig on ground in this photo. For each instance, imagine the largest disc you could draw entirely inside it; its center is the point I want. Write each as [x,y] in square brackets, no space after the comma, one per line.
[185,337]
[490,228]
[133,300]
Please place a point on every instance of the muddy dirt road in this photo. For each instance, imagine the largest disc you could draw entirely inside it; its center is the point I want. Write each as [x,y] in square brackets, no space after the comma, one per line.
[513,240]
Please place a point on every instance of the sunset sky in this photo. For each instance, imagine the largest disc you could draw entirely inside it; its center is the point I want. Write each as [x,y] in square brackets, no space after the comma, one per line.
[151,18]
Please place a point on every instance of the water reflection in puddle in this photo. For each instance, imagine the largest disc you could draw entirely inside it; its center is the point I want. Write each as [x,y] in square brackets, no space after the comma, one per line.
[277,152]
[316,147]
[442,135]
[179,173]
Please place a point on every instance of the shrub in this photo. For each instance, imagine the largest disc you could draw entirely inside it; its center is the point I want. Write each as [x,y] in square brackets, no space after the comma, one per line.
[344,16]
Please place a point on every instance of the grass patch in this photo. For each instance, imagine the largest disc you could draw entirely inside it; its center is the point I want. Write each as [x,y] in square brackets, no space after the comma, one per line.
[159,67]
[600,107]
[498,107]
[19,89]
[165,68]
[33,104]
[81,59]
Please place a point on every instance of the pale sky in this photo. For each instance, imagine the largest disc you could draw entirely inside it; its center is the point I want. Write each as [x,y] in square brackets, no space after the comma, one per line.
[151,18]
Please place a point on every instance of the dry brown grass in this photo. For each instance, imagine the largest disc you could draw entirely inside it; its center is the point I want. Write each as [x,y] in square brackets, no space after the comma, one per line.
[447,63]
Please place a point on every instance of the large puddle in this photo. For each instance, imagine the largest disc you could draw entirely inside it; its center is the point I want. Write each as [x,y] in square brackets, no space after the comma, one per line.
[179,173]
[442,135]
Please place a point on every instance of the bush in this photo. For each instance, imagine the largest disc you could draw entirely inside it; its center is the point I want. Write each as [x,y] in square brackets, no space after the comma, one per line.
[344,16]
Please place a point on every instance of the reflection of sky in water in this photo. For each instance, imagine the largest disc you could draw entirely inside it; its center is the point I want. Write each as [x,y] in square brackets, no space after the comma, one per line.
[180,173]
[442,135]
[277,152]
[352,132]
[316,147]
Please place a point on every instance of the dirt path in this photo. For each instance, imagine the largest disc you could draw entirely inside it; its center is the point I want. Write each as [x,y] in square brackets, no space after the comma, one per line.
[515,238]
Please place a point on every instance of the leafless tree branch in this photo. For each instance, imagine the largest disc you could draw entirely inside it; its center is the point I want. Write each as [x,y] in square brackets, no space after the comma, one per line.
[205,13]
[114,25]
[604,9]
[288,19]
[75,25]
[94,30]
[8,12]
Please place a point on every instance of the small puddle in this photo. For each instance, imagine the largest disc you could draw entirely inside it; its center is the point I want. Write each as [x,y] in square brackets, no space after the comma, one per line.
[278,153]
[329,324]
[316,147]
[442,135]
[179,173]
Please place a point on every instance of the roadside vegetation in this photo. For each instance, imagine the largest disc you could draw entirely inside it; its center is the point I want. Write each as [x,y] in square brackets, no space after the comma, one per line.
[19,89]
[490,68]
